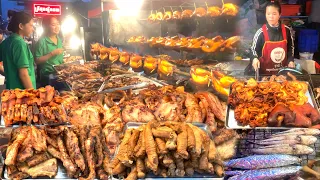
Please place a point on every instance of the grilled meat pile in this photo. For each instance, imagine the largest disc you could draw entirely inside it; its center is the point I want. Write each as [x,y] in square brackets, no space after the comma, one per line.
[167,149]
[41,106]
[273,103]
[72,59]
[187,63]
[81,78]
[153,103]
[27,154]
[116,82]
[82,150]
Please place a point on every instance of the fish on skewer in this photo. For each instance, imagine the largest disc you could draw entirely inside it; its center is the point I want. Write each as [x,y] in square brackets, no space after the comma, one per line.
[263,161]
[288,139]
[296,149]
[272,173]
[298,131]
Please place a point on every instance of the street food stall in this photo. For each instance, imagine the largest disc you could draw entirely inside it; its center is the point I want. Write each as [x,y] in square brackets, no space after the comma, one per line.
[164,95]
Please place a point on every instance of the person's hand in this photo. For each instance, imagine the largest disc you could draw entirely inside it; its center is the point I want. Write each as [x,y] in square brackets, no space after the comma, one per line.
[292,65]
[57,51]
[256,64]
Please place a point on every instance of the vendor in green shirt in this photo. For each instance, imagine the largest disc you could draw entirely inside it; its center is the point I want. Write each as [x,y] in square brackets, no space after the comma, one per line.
[49,48]
[17,58]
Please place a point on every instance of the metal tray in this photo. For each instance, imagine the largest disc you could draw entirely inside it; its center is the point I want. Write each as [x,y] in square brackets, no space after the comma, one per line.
[231,122]
[135,125]
[141,78]
[57,67]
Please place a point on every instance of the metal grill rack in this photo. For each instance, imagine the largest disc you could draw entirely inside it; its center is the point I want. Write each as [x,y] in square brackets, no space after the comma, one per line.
[245,144]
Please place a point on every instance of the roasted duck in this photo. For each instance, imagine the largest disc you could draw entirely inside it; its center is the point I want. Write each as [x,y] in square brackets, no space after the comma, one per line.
[136,62]
[214,11]
[231,43]
[230,9]
[199,12]
[186,14]
[150,65]
[212,45]
[176,15]
[167,16]
[200,76]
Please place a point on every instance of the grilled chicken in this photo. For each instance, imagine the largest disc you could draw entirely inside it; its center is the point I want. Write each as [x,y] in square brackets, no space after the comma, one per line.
[48,168]
[72,145]
[230,9]
[89,145]
[37,159]
[136,111]
[39,142]
[67,163]
[12,150]
[194,110]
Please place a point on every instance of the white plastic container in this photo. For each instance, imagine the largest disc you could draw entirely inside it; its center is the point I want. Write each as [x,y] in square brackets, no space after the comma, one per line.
[306,56]
[2,78]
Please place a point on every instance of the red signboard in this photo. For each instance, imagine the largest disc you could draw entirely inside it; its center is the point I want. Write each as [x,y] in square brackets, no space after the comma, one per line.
[46,9]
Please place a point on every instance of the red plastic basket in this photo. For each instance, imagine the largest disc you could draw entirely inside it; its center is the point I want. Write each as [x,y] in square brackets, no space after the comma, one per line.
[290,10]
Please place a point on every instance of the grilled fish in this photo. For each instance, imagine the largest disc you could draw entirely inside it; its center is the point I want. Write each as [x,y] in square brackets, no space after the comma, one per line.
[296,149]
[264,174]
[288,139]
[262,161]
[298,131]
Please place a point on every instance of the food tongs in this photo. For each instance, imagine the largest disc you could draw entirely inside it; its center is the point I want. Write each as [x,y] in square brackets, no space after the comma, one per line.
[257,74]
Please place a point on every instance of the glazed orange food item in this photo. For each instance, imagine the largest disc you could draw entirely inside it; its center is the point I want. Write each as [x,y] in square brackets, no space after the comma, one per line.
[114,55]
[199,12]
[124,58]
[150,64]
[200,76]
[176,15]
[166,68]
[214,11]
[159,16]
[230,9]
[167,16]
[212,45]
[152,18]
[186,14]
[136,61]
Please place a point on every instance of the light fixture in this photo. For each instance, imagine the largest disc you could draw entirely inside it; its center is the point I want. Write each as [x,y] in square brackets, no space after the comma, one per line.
[74,42]
[69,25]
[129,7]
[39,30]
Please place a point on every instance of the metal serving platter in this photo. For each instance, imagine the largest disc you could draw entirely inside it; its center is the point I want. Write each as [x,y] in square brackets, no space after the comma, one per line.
[151,176]
[57,68]
[231,122]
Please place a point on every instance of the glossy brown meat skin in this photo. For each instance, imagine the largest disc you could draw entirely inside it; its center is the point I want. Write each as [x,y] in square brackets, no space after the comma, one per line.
[281,114]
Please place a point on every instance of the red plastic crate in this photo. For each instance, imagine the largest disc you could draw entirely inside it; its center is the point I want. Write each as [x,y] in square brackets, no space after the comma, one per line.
[290,10]
[308,7]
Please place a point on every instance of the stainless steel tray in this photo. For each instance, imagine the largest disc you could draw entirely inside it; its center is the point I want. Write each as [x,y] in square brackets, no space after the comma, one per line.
[231,122]
[151,176]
